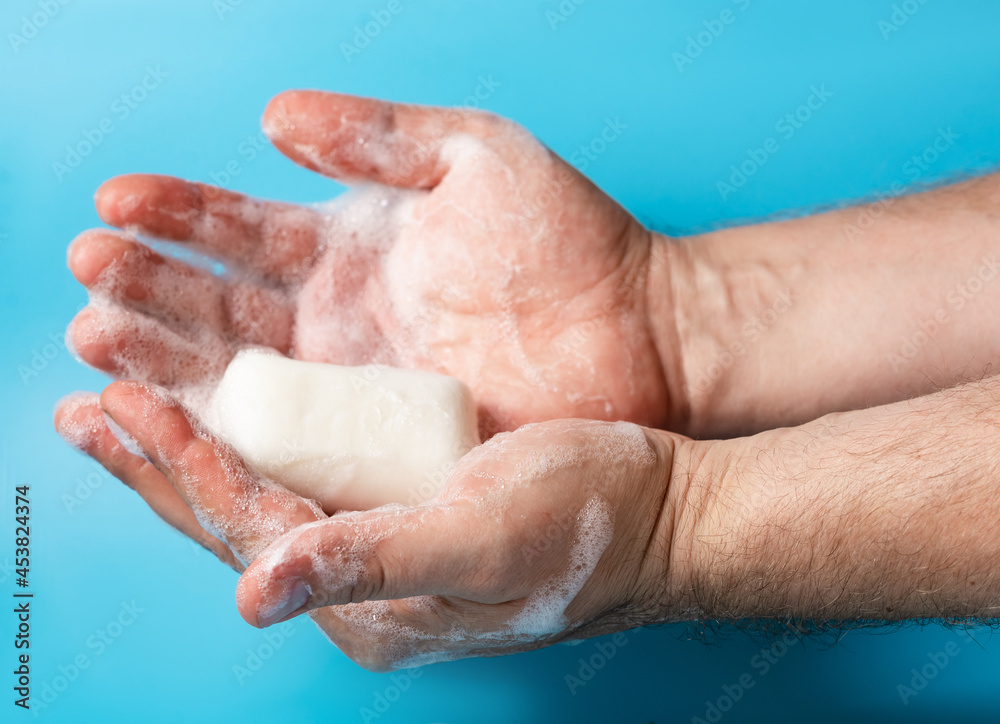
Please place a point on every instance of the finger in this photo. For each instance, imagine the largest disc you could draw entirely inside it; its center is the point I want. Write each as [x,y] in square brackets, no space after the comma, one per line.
[244,510]
[125,343]
[132,274]
[277,240]
[387,553]
[80,421]
[363,139]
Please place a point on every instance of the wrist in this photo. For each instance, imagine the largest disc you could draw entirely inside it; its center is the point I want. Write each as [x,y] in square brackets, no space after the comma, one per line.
[695,319]
[725,520]
[667,261]
[718,303]
[859,514]
[670,571]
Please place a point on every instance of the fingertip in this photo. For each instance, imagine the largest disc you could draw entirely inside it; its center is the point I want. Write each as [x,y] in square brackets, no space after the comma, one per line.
[115,198]
[285,110]
[248,594]
[76,419]
[246,601]
[83,339]
[93,251]
[264,599]
[159,203]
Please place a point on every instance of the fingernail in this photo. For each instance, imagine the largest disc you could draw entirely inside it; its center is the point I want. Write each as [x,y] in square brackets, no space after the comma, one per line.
[293,596]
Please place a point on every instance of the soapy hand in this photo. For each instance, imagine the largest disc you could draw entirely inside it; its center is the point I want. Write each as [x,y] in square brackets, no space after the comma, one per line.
[553,531]
[472,251]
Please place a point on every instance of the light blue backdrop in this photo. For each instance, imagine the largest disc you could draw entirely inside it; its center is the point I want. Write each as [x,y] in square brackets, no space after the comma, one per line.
[561,70]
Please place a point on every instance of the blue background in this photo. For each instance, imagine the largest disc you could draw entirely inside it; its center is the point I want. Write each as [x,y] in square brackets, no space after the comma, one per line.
[685,128]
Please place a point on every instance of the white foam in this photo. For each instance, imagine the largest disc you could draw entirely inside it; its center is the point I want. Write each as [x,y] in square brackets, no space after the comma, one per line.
[79,434]
[544,613]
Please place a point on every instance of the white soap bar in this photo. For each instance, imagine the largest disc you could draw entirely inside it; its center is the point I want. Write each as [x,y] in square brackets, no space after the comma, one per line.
[352,438]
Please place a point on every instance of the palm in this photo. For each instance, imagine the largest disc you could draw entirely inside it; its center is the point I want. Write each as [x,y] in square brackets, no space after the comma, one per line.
[507,269]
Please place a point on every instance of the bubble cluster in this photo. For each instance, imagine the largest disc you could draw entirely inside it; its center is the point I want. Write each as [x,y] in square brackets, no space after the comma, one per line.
[544,611]
[81,434]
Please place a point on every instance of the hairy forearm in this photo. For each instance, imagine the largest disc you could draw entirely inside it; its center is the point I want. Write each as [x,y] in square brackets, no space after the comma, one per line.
[778,323]
[889,513]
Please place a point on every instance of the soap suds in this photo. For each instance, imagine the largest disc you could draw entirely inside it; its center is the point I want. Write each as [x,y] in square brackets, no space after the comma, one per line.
[80,434]
[544,611]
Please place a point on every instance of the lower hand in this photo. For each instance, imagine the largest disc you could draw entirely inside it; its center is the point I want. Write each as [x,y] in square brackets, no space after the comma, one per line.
[557,530]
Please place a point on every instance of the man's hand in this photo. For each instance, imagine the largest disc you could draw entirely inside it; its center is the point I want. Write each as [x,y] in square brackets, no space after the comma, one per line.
[564,529]
[572,528]
[481,255]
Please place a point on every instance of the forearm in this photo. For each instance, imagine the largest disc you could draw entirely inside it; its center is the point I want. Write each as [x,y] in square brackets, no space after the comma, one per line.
[778,323]
[889,513]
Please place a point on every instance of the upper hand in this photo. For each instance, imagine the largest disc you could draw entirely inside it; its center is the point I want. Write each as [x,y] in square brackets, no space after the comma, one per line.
[481,255]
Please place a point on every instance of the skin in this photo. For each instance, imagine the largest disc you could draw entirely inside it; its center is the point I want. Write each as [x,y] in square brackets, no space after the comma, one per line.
[497,263]
[884,514]
[517,525]
[884,302]
[537,303]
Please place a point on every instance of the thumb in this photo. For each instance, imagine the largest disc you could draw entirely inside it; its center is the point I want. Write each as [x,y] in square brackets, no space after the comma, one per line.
[362,139]
[388,553]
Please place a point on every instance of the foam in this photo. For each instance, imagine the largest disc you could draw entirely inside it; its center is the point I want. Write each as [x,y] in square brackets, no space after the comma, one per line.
[544,612]
[79,434]
[508,463]
[541,619]
[395,277]
[254,518]
[194,361]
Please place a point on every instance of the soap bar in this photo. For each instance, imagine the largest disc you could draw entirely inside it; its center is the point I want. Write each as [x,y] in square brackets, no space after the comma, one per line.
[352,438]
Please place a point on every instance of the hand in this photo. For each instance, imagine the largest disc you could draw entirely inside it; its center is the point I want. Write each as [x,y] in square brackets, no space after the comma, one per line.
[557,530]
[482,255]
